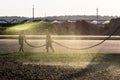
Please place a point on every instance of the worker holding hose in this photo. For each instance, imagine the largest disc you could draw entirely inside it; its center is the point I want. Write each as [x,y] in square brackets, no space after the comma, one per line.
[22,39]
[48,41]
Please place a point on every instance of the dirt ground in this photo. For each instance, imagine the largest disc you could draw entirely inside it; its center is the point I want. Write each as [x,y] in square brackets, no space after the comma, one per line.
[11,69]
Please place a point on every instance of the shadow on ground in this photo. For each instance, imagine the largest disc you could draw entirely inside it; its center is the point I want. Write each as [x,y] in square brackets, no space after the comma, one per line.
[102,68]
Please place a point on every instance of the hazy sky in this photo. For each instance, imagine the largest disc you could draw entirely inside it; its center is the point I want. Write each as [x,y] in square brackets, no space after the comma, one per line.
[59,7]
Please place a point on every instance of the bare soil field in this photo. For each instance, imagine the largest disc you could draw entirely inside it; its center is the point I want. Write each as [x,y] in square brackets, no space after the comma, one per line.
[105,68]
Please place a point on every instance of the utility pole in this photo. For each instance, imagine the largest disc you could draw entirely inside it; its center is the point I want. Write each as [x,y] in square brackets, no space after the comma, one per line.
[97,15]
[33,13]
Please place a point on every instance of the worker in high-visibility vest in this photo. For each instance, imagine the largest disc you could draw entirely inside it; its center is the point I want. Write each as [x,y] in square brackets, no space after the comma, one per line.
[48,41]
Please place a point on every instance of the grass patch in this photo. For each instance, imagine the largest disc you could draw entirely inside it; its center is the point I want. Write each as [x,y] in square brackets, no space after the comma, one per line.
[75,60]
[63,57]
[58,55]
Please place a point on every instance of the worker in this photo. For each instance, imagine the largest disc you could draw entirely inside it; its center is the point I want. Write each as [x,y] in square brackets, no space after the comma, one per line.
[48,41]
[22,39]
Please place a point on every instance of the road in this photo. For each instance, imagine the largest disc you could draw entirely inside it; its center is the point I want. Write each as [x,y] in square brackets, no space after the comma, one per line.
[109,46]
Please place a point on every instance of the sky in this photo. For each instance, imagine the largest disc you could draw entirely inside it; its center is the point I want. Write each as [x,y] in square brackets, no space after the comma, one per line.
[59,7]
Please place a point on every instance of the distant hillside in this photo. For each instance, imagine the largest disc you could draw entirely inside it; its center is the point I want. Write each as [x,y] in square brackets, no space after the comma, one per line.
[60,18]
[79,17]
[10,18]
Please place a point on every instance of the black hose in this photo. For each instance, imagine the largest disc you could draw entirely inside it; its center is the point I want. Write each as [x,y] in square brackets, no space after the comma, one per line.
[92,45]
[33,45]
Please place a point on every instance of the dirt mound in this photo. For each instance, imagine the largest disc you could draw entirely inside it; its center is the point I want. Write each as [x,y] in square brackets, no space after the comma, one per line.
[112,26]
[72,28]
[81,27]
[75,28]
[85,28]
